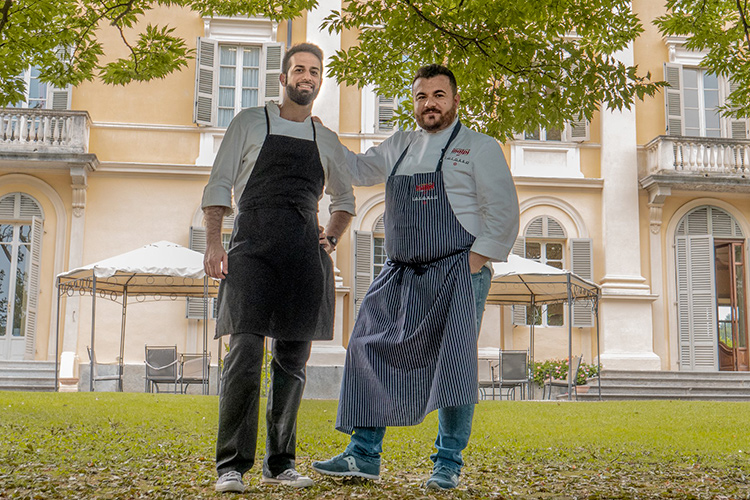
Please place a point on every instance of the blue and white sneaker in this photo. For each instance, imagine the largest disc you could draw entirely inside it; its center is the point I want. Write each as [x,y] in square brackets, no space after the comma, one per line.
[443,478]
[345,465]
[230,481]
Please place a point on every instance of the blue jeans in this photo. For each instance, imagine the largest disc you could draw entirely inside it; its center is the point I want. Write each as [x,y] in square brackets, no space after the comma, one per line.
[454,428]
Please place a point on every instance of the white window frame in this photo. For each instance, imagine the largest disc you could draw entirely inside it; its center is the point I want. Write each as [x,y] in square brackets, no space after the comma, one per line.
[254,31]
[679,58]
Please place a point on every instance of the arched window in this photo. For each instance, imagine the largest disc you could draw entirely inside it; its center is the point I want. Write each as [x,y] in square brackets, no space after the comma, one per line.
[710,250]
[21,221]
[544,240]
[369,258]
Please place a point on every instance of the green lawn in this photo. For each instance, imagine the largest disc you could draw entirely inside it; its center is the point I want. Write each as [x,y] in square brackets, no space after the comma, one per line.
[106,445]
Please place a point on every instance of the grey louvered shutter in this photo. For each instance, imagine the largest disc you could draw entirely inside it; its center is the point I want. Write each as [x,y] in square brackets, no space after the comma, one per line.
[57,98]
[673,99]
[194,308]
[363,266]
[274,53]
[206,73]
[384,114]
[737,128]
[32,297]
[519,312]
[582,264]
[579,130]
[696,303]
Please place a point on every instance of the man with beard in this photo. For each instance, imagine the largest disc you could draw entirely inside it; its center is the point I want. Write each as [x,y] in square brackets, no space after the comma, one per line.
[450,208]
[277,277]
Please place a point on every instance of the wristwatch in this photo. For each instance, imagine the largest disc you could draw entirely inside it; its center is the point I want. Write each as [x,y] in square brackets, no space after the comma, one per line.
[332,240]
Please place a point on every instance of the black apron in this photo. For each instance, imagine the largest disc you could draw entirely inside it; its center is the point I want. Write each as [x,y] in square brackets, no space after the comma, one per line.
[280,282]
[414,344]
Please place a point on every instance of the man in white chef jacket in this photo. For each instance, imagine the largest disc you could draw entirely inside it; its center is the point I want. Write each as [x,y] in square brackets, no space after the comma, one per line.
[451,208]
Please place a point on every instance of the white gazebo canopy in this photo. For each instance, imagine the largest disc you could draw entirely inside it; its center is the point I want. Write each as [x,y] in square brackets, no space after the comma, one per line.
[162,269]
[525,282]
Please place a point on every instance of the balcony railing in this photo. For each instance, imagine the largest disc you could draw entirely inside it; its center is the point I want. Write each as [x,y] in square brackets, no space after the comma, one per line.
[698,155]
[43,131]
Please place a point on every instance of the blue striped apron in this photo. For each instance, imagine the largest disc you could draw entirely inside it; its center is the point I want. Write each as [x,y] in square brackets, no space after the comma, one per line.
[413,348]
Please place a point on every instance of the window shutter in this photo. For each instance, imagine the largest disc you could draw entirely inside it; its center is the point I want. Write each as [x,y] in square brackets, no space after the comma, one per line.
[57,98]
[32,297]
[580,130]
[582,264]
[519,312]
[198,239]
[194,308]
[385,108]
[696,303]
[206,71]
[363,266]
[274,56]
[673,99]
[737,128]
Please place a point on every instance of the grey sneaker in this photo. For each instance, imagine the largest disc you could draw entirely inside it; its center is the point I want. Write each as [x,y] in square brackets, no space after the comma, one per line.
[289,477]
[230,481]
[347,465]
[443,478]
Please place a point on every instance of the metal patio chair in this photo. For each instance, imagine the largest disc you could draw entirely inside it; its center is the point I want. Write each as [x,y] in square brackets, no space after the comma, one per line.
[194,369]
[549,382]
[513,372]
[161,367]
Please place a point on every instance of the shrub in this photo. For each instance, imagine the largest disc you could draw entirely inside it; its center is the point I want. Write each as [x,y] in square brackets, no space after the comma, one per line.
[558,368]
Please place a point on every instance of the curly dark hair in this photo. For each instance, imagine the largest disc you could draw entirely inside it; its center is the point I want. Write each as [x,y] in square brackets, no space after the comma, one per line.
[433,70]
[301,47]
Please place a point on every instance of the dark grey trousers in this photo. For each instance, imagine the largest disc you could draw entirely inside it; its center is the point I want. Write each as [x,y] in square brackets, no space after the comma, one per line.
[239,403]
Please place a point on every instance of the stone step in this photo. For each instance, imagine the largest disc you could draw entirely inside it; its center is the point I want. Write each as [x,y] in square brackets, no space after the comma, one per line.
[593,396]
[50,365]
[27,375]
[651,385]
[675,375]
[28,388]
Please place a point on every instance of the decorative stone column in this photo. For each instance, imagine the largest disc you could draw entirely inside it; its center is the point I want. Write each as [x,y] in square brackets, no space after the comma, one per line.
[625,312]
[68,362]
[657,195]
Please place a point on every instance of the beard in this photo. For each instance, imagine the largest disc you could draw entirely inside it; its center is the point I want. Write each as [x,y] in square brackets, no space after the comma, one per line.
[303,98]
[442,121]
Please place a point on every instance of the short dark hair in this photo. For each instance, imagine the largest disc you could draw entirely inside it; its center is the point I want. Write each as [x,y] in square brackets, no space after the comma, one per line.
[301,47]
[433,70]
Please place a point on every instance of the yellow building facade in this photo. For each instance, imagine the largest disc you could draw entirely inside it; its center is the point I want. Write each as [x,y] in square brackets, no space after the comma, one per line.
[649,203]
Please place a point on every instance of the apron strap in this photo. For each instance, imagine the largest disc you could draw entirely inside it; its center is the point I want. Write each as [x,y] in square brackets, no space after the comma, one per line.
[439,167]
[268,125]
[400,159]
[450,139]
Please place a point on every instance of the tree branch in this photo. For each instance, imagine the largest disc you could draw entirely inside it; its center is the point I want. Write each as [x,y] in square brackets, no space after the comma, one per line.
[463,41]
[5,11]
[744,21]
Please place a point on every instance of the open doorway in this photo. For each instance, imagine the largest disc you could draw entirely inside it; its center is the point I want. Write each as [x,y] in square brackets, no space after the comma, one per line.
[731,305]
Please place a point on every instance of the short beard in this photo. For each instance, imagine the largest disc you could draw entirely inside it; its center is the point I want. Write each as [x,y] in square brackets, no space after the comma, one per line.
[301,98]
[443,122]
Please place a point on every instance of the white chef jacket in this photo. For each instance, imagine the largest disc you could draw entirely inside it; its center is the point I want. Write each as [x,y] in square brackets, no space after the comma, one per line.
[241,146]
[477,180]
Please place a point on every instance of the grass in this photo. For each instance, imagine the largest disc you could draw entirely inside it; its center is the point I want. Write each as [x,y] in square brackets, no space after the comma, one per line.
[130,446]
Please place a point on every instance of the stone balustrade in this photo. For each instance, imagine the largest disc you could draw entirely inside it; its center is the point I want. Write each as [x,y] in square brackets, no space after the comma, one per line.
[43,131]
[697,155]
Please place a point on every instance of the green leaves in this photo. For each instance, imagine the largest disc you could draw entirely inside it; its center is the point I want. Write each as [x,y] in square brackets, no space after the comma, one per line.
[61,38]
[157,54]
[519,64]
